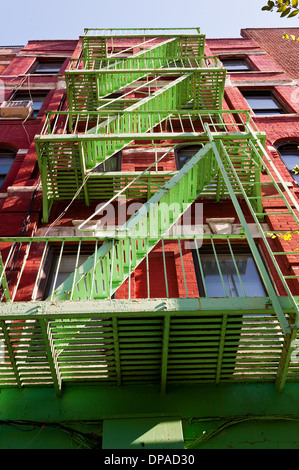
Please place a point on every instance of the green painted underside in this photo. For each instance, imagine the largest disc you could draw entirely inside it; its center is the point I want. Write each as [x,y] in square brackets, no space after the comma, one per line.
[228,416]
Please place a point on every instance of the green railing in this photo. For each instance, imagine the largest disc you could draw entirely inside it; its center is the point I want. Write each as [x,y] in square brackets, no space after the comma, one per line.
[95,51]
[140,32]
[174,63]
[108,121]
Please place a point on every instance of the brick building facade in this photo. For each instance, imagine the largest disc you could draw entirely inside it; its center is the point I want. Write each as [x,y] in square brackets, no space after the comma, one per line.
[155,329]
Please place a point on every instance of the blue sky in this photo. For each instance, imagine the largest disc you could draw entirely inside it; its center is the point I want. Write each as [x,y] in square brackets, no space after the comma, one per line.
[66,19]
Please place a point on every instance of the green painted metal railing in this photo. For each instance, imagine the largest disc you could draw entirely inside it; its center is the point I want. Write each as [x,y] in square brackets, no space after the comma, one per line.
[188,122]
[136,62]
[140,32]
[206,85]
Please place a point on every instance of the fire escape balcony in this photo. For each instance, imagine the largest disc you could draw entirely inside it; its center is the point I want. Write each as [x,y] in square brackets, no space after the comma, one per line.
[120,341]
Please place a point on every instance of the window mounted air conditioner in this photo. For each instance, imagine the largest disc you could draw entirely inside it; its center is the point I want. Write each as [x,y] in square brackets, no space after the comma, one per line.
[19,109]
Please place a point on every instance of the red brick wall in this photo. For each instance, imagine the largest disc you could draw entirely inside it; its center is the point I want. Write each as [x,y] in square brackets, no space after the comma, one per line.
[19,135]
[284,52]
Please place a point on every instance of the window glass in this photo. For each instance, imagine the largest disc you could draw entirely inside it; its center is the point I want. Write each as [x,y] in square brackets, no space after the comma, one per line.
[290,156]
[236,65]
[7,157]
[263,102]
[184,154]
[227,277]
[48,66]
[37,98]
[111,164]
[66,268]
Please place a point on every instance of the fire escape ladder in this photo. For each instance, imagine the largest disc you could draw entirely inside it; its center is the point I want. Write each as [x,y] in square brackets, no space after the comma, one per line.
[169,98]
[206,84]
[232,174]
[103,272]
[94,50]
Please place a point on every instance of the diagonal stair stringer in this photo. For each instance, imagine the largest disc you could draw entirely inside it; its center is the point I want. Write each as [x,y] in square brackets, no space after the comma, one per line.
[103,272]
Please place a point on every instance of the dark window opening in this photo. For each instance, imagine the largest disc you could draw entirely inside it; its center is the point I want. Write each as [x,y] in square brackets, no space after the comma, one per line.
[184,154]
[114,95]
[153,168]
[59,267]
[47,66]
[37,98]
[110,164]
[263,102]
[122,52]
[225,275]
[236,64]
[289,154]
[7,157]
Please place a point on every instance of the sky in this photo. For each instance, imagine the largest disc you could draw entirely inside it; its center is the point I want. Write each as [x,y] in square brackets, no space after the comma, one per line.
[24,20]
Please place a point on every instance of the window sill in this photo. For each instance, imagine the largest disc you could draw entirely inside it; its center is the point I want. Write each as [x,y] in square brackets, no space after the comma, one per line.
[275,116]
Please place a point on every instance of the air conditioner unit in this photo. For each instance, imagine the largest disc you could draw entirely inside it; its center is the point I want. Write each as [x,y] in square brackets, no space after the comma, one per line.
[19,109]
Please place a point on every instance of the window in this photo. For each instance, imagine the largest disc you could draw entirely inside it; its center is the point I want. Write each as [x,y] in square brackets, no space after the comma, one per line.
[263,102]
[111,164]
[7,157]
[236,64]
[56,272]
[114,95]
[289,153]
[37,98]
[48,66]
[184,154]
[224,275]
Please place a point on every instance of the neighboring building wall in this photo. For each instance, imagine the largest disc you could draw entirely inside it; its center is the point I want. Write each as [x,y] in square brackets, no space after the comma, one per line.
[284,52]
[7,54]
[273,66]
[19,76]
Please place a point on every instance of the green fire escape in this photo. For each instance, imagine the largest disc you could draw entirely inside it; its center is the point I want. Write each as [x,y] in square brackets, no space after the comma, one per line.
[164,92]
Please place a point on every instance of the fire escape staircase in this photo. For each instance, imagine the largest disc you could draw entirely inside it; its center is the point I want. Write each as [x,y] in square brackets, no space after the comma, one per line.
[229,164]
[115,260]
[77,154]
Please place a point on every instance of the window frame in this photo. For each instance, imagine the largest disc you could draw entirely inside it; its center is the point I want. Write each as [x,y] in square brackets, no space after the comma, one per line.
[238,249]
[101,166]
[242,59]
[28,95]
[50,262]
[266,94]
[284,157]
[179,149]
[46,61]
[3,175]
